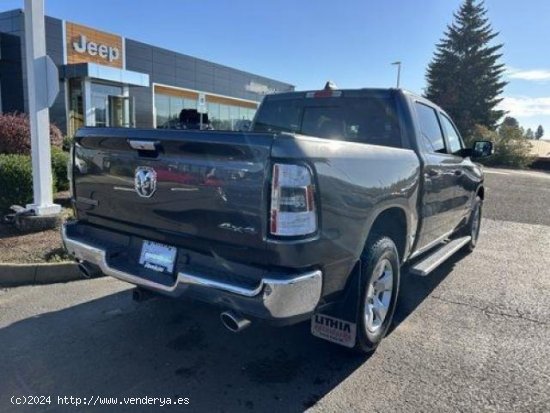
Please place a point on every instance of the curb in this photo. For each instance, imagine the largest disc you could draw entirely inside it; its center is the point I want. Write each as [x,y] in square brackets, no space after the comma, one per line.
[13,275]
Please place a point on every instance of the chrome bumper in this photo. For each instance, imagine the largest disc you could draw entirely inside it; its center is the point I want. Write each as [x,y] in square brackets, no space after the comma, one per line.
[287,297]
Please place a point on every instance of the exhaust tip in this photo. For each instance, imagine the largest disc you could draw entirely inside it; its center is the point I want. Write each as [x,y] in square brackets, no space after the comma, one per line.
[234,322]
[140,295]
[89,270]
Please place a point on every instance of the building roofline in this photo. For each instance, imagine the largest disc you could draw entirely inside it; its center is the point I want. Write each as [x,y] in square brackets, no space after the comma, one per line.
[250,74]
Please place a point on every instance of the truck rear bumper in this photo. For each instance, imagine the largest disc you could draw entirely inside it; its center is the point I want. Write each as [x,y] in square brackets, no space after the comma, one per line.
[281,298]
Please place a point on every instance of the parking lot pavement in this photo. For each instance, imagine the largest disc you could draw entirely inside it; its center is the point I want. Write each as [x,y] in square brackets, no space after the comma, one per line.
[472,336]
[519,196]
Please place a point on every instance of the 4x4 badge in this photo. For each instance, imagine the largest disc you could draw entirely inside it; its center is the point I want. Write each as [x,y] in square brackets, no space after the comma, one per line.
[145,181]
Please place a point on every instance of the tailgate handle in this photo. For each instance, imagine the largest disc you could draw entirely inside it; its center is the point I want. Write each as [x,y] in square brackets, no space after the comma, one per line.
[143,145]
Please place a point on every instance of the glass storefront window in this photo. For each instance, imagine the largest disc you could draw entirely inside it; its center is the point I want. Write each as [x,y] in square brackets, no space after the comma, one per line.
[225,117]
[108,105]
[214,115]
[168,108]
[121,109]
[189,104]
[105,90]
[100,93]
[99,107]
[176,105]
[76,106]
[234,113]
[162,109]
[221,116]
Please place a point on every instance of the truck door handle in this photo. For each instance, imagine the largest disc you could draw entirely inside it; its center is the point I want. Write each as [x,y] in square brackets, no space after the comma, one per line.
[432,173]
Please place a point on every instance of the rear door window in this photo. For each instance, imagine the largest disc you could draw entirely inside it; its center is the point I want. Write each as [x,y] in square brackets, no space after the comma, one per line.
[432,136]
[371,120]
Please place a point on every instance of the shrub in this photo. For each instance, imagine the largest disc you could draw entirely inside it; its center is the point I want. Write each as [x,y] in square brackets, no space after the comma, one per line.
[59,168]
[16,181]
[67,143]
[511,147]
[15,134]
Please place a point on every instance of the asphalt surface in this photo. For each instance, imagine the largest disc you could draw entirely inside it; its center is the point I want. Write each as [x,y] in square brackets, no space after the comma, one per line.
[518,196]
[473,336]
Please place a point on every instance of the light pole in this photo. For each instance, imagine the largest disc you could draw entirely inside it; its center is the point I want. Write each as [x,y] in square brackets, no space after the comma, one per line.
[398,64]
[42,88]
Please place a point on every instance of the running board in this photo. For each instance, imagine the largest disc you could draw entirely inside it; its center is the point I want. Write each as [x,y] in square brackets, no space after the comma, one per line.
[431,262]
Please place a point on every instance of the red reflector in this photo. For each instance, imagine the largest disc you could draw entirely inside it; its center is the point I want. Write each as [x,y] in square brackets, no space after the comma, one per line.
[323,94]
[276,175]
[309,199]
[273,222]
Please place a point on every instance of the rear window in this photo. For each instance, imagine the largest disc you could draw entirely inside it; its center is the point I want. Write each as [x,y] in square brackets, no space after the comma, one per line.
[370,120]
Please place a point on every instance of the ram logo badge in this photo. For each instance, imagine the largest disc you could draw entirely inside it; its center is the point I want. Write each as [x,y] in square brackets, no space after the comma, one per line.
[145,181]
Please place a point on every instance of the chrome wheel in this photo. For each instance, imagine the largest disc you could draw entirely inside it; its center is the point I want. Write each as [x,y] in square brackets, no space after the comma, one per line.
[378,297]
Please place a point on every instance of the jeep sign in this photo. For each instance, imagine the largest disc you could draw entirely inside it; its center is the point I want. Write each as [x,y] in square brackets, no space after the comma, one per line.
[87,45]
[93,49]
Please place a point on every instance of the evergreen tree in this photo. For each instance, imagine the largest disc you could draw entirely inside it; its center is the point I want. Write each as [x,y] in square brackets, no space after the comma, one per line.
[539,133]
[510,121]
[529,134]
[464,76]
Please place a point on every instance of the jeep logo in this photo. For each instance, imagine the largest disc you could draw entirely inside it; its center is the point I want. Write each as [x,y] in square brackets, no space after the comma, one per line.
[93,49]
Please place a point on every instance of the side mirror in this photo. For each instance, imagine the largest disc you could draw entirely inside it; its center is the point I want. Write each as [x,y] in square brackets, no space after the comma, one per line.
[482,149]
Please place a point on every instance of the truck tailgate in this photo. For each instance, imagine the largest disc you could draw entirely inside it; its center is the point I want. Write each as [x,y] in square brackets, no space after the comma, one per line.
[207,185]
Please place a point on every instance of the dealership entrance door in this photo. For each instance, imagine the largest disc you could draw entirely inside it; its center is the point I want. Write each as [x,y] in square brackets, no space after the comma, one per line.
[99,95]
[110,106]
[121,111]
[99,104]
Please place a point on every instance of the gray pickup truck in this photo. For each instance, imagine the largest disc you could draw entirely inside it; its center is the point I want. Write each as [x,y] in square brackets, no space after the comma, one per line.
[309,216]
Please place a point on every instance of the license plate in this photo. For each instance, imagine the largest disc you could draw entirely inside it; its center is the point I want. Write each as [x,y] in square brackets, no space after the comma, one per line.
[158,257]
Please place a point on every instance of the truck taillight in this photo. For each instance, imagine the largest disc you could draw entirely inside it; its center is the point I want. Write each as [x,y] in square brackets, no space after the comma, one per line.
[293,212]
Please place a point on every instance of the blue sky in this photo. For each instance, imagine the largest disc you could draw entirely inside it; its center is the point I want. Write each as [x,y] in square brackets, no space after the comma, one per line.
[352,42]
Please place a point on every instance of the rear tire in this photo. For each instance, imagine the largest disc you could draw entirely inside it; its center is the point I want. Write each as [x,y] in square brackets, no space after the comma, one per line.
[380,274]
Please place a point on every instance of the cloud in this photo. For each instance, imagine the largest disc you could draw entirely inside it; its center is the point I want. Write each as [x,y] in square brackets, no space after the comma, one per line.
[535,75]
[526,106]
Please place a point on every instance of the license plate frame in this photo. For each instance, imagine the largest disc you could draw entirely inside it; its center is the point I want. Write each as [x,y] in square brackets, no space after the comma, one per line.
[158,257]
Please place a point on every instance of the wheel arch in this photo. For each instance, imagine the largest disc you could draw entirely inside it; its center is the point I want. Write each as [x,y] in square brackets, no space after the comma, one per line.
[393,222]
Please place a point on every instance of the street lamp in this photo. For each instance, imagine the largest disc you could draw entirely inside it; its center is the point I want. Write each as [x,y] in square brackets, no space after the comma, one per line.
[398,64]
[42,89]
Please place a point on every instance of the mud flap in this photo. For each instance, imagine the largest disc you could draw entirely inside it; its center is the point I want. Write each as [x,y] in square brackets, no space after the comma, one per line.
[337,322]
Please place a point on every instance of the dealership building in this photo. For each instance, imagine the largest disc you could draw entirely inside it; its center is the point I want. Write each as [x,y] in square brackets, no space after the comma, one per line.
[108,80]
